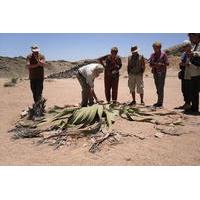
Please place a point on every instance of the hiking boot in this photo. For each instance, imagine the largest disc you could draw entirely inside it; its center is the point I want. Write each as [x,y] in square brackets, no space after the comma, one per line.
[157,105]
[191,112]
[186,106]
[180,107]
[133,103]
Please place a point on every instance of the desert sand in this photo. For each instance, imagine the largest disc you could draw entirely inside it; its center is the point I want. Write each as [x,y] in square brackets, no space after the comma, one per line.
[168,150]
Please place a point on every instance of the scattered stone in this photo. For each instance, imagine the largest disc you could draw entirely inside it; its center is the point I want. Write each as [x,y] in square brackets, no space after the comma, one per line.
[158,135]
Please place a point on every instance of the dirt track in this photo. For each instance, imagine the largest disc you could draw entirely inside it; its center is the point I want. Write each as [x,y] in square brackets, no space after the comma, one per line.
[169,150]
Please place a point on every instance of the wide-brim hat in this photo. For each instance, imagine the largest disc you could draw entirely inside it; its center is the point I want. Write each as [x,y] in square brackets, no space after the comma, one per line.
[35,48]
[134,49]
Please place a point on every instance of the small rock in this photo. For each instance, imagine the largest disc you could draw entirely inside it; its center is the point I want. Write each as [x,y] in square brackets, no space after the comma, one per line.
[158,135]
[128,159]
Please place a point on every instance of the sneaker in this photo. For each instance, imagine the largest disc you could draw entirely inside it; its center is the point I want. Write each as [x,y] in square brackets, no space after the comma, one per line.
[142,103]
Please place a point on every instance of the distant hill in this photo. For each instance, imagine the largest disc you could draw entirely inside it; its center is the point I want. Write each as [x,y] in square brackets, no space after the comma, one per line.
[16,66]
[175,50]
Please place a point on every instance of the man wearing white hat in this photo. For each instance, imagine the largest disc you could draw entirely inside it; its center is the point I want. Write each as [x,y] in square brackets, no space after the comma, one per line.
[184,75]
[35,64]
[136,68]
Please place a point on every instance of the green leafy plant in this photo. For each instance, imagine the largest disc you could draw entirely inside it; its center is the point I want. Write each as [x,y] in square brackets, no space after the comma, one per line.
[93,121]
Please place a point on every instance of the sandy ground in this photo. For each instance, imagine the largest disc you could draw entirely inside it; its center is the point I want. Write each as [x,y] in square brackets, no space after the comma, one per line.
[169,150]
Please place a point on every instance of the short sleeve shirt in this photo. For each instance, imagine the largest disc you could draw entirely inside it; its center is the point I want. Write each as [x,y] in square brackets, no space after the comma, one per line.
[38,72]
[161,58]
[87,72]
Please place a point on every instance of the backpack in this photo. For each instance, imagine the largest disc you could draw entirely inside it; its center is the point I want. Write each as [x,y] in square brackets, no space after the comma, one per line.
[136,69]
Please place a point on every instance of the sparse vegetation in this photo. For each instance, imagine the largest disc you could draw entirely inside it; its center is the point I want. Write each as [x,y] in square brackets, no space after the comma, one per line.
[62,126]
[11,83]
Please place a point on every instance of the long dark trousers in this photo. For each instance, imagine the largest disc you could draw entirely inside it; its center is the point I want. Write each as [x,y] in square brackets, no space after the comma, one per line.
[111,83]
[36,88]
[195,88]
[186,90]
[87,98]
[159,79]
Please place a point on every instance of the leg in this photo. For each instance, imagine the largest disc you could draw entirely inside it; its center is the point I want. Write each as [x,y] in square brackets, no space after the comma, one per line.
[155,76]
[84,92]
[187,92]
[107,84]
[39,89]
[140,87]
[161,84]
[195,93]
[133,96]
[183,89]
[90,97]
[115,84]
[131,85]
[34,89]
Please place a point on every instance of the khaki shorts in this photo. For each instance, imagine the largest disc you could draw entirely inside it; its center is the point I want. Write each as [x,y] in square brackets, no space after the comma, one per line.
[136,81]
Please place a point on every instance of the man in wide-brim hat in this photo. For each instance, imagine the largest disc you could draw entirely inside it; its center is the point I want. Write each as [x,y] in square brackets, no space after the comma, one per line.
[136,68]
[35,64]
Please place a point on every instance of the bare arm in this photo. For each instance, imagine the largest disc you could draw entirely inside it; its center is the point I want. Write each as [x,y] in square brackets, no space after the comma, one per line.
[128,67]
[102,59]
[120,63]
[29,66]
[143,64]
[42,62]
[93,94]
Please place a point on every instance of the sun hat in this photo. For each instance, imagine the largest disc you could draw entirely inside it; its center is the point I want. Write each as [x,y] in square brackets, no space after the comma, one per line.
[134,49]
[186,43]
[35,48]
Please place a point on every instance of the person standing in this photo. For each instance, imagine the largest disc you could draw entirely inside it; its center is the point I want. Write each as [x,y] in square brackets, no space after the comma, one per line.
[86,76]
[159,62]
[135,69]
[35,64]
[184,75]
[112,66]
[194,57]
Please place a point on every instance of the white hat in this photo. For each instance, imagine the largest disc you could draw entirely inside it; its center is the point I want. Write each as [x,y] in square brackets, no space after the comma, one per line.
[35,48]
[186,43]
[134,49]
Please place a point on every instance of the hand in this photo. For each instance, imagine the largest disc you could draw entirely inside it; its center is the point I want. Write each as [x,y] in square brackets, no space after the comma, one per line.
[190,54]
[41,63]
[32,66]
[160,64]
[182,64]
